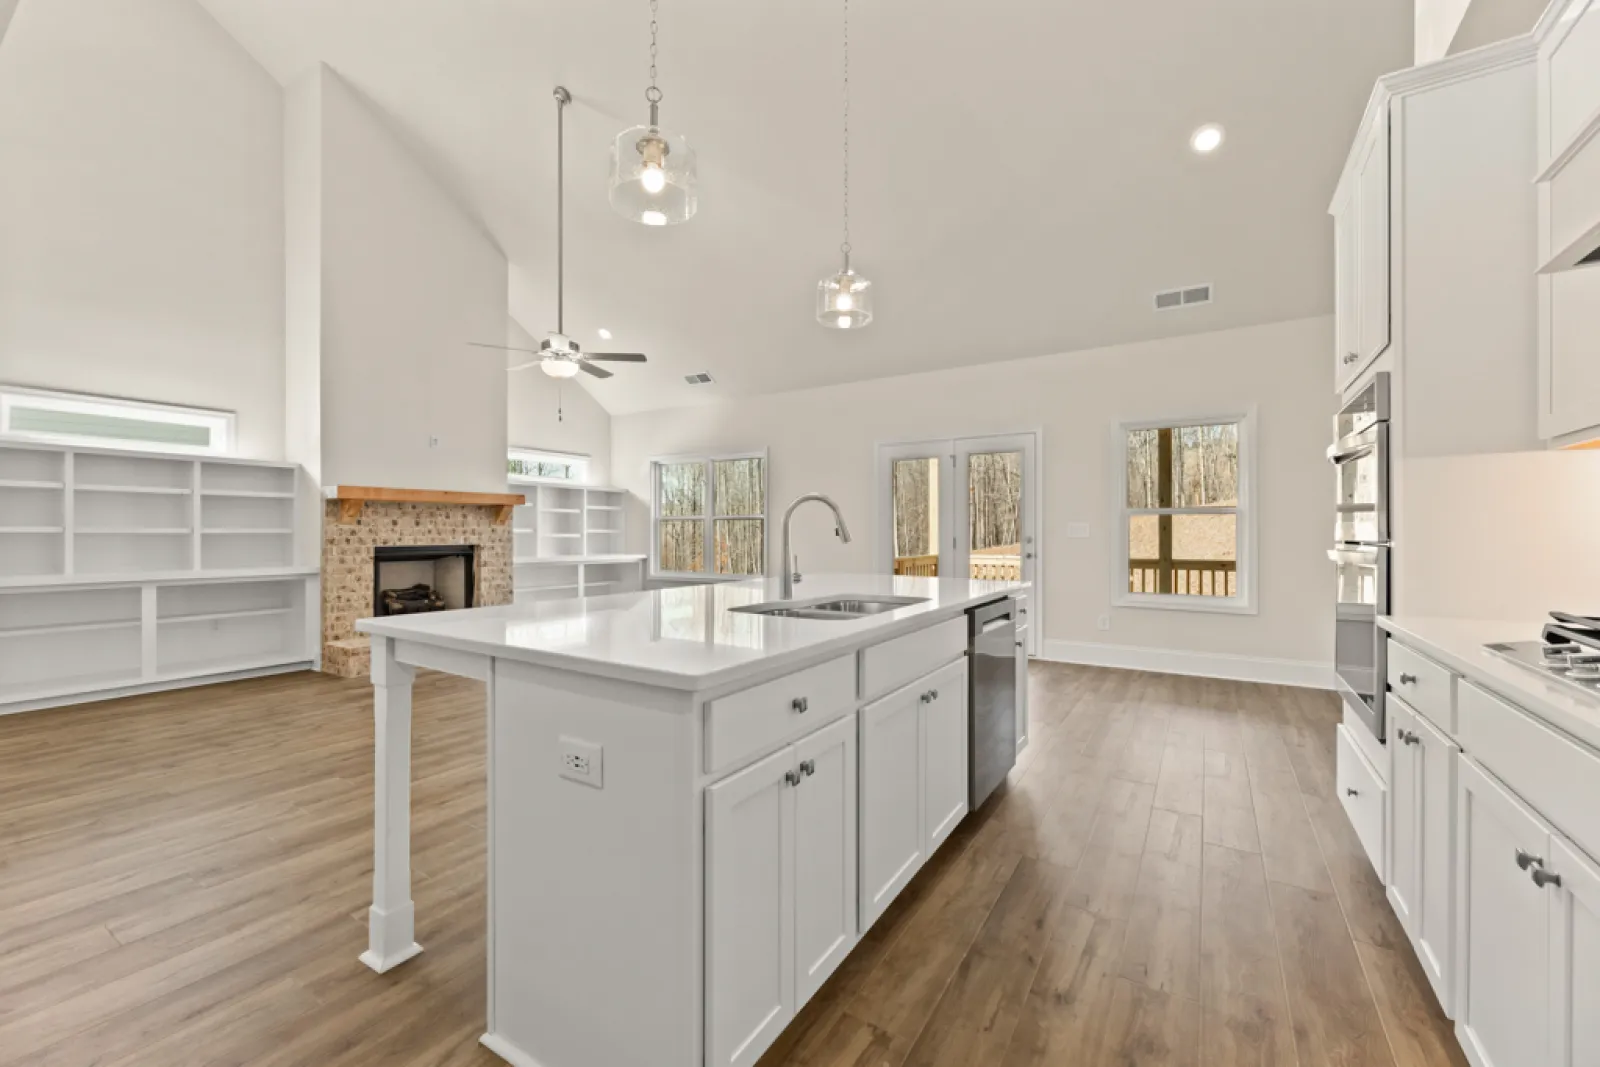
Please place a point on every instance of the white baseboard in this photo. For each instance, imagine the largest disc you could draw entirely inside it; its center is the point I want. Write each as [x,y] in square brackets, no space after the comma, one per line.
[1198,664]
[89,696]
[507,1051]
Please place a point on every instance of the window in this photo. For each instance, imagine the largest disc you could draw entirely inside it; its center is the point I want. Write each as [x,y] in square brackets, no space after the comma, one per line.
[1185,521]
[710,515]
[107,422]
[527,465]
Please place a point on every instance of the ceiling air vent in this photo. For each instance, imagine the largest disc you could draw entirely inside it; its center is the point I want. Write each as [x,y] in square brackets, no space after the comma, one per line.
[1173,299]
[702,378]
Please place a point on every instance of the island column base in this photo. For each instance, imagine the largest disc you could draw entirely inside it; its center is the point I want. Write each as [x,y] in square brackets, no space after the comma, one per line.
[391,938]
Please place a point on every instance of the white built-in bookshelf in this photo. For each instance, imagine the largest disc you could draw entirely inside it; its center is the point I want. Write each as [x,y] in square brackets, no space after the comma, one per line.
[570,541]
[133,570]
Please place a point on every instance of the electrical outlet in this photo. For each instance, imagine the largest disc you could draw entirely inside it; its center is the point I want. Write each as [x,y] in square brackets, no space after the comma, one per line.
[433,442]
[1104,622]
[582,761]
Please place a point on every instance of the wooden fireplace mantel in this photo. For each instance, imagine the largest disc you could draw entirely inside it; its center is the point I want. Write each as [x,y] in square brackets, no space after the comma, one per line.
[352,498]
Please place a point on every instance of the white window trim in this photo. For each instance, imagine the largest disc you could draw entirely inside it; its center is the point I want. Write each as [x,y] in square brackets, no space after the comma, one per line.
[223,424]
[580,460]
[708,551]
[1246,603]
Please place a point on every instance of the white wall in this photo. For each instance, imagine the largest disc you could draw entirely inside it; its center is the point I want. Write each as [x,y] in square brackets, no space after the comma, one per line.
[1509,536]
[1436,24]
[824,440]
[532,399]
[141,210]
[404,280]
[1488,21]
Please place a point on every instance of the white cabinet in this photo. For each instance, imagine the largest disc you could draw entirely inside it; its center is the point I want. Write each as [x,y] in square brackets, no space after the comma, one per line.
[1346,289]
[780,888]
[1569,224]
[750,898]
[1574,957]
[1372,244]
[892,843]
[1422,843]
[1022,689]
[1364,796]
[825,854]
[944,753]
[1503,929]
[914,773]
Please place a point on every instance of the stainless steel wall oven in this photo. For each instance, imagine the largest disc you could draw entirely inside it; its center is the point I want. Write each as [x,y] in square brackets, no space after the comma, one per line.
[1361,549]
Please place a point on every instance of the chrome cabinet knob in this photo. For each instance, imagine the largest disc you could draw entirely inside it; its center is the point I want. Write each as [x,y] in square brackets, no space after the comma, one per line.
[808,768]
[1408,679]
[800,704]
[1351,792]
[1542,878]
[1526,859]
[1351,357]
[1410,738]
[791,777]
[934,693]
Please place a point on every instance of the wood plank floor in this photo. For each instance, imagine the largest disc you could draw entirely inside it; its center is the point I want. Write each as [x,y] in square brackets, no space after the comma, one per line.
[1167,879]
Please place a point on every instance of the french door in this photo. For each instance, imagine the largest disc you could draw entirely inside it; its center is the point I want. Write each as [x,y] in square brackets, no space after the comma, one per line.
[966,505]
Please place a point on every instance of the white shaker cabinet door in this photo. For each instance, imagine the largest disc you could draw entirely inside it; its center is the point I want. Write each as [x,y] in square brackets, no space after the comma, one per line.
[750,853]
[1503,996]
[1405,816]
[944,752]
[1574,957]
[1347,292]
[1372,251]
[892,847]
[826,889]
[1434,923]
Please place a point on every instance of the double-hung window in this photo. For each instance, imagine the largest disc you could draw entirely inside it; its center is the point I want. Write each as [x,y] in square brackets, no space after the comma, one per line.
[1186,520]
[110,422]
[710,515]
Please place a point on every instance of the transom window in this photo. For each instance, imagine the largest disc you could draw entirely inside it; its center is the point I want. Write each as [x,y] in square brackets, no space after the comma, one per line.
[109,422]
[527,464]
[710,515]
[1184,525]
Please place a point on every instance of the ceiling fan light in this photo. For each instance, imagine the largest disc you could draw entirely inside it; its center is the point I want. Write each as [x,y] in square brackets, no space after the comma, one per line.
[653,178]
[844,301]
[558,368]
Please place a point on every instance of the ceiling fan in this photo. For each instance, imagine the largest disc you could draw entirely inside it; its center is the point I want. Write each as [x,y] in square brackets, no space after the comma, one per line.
[559,355]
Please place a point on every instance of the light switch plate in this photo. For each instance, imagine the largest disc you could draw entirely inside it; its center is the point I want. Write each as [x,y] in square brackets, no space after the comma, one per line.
[1077,529]
[582,761]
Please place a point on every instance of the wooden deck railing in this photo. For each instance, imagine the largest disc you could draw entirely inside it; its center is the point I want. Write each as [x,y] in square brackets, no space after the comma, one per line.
[1190,577]
[995,568]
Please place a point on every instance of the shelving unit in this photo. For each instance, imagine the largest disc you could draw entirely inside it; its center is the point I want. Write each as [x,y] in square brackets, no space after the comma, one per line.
[130,571]
[570,541]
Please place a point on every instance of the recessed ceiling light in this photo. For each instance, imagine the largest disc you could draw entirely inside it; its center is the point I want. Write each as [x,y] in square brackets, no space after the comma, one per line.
[1207,138]
[605,334]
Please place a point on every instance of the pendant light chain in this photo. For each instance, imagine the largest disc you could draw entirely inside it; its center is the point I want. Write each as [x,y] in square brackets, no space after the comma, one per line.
[845,246]
[653,94]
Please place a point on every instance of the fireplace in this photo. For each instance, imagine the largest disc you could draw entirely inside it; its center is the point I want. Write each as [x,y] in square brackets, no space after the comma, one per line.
[418,578]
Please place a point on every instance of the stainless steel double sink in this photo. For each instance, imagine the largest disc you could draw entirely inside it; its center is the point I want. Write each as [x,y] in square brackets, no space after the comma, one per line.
[838,608]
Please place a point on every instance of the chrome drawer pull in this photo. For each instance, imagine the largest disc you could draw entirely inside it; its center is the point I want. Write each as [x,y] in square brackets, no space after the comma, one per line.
[1408,679]
[1542,878]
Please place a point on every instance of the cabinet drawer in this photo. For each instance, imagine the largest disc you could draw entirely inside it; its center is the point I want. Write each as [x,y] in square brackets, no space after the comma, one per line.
[1559,778]
[1425,685]
[1363,795]
[753,720]
[887,667]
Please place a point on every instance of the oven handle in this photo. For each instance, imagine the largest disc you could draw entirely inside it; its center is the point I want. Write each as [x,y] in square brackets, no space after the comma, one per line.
[1339,457]
[1356,553]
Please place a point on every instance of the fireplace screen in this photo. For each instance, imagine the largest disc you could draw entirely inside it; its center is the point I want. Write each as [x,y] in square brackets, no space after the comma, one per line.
[407,579]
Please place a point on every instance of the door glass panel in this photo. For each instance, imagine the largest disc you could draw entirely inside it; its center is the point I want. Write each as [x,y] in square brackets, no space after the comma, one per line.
[994,515]
[915,490]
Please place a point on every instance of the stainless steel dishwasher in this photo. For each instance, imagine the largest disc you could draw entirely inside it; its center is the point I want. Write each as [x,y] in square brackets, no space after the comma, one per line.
[991,697]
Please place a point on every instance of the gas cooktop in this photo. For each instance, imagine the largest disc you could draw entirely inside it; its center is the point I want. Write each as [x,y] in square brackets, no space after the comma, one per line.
[1567,652]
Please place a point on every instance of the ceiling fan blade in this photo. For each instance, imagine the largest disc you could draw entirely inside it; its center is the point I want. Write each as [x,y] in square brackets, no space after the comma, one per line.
[589,368]
[616,357]
[504,348]
[525,366]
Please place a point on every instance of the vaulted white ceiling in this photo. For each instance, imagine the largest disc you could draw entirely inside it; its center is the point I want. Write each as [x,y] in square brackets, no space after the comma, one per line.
[1021,177]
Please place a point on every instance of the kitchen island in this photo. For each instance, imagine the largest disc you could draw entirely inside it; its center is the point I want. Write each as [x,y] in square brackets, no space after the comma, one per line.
[696,808]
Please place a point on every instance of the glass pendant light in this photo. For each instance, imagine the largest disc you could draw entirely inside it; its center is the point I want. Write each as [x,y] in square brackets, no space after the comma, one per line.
[652,169]
[844,300]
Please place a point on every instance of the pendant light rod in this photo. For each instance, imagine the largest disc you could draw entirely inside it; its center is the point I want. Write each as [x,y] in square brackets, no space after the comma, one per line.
[563,98]
[653,94]
[845,246]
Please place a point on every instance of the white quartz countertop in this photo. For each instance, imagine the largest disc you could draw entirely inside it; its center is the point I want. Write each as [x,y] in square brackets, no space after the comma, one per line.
[1458,644]
[687,637]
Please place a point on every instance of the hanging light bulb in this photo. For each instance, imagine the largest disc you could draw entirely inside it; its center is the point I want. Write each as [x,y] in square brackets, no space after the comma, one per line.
[653,177]
[844,300]
[558,368]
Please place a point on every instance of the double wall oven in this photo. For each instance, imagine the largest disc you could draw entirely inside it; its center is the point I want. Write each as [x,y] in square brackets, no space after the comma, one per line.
[1361,547]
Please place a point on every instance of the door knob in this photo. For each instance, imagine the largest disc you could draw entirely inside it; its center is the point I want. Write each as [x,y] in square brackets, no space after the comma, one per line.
[1526,859]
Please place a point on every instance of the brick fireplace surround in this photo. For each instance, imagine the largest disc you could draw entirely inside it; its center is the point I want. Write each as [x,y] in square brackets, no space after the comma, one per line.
[347,549]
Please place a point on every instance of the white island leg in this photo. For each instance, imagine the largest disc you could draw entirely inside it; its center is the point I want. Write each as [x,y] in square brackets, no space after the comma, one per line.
[391,921]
